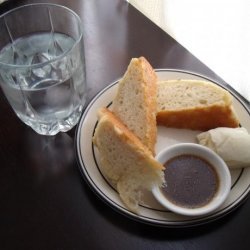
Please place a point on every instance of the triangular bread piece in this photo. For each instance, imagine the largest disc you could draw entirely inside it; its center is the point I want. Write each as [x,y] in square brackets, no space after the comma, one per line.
[194,104]
[124,160]
[135,101]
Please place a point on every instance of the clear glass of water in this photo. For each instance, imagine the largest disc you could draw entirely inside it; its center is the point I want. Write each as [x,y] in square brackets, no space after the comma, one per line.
[42,69]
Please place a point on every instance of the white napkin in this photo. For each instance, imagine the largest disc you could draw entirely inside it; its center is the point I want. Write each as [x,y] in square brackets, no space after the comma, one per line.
[232,144]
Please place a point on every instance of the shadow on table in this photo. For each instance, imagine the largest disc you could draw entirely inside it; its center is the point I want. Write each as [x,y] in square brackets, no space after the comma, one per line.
[152,232]
[48,156]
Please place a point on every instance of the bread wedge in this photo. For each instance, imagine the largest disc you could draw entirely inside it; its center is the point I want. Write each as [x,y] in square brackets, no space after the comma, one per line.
[124,160]
[135,101]
[194,104]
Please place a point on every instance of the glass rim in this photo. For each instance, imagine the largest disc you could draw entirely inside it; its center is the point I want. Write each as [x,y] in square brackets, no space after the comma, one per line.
[77,41]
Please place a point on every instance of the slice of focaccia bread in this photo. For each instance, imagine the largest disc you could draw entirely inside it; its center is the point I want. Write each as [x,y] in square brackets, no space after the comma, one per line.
[135,101]
[194,104]
[124,160]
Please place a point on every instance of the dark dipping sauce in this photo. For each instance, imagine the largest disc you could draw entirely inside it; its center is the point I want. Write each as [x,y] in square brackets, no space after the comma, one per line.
[191,181]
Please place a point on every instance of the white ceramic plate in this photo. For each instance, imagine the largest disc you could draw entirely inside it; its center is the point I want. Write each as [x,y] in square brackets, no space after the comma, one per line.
[151,211]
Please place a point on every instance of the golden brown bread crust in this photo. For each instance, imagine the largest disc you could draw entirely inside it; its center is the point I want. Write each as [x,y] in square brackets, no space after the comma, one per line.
[151,103]
[199,118]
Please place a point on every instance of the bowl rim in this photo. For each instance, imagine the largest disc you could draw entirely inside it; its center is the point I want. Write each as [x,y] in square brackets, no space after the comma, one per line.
[220,167]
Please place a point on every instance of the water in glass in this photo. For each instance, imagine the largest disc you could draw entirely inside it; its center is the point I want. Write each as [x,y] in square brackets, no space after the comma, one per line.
[49,97]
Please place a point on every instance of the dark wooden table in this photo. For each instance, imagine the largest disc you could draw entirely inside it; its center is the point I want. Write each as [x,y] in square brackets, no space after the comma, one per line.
[44,201]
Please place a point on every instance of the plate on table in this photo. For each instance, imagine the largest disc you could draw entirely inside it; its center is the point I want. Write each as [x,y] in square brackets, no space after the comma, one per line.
[150,211]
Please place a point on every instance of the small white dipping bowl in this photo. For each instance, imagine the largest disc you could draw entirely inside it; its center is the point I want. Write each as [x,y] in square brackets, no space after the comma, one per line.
[207,154]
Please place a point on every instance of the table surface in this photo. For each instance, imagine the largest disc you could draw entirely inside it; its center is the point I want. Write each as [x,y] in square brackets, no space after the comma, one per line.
[44,201]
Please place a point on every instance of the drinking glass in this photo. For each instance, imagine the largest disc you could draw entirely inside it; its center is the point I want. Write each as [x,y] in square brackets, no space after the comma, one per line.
[42,68]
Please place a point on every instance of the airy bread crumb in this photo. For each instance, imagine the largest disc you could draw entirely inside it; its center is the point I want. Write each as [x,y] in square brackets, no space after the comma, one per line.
[135,101]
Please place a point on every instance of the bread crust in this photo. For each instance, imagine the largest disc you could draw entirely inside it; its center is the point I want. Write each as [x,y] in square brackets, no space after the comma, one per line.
[198,118]
[151,103]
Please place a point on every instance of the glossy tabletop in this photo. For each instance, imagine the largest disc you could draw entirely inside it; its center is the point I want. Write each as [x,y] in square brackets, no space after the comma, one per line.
[45,202]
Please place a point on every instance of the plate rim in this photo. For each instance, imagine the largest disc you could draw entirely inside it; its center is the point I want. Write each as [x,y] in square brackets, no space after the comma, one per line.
[143,219]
